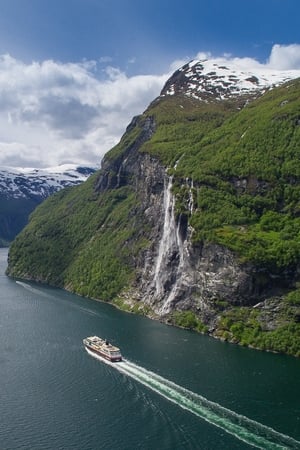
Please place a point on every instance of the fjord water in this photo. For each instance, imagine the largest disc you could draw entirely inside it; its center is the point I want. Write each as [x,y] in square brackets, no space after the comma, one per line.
[175,390]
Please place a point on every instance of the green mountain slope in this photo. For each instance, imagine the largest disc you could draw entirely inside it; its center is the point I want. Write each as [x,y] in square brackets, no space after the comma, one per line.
[13,217]
[72,241]
[245,170]
[235,176]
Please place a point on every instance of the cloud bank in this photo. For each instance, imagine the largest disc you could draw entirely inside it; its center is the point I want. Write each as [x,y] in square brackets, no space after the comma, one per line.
[55,113]
[285,57]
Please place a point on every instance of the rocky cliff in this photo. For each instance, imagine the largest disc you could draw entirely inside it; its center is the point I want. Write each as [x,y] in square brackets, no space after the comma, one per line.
[194,216]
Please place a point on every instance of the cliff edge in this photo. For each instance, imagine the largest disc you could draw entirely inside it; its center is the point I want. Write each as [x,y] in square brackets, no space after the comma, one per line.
[194,216]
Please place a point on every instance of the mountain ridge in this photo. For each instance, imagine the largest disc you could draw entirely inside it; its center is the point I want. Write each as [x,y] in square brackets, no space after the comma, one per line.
[22,189]
[218,79]
[193,219]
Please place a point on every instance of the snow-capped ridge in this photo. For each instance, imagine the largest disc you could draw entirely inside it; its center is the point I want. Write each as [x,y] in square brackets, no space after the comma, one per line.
[36,182]
[220,78]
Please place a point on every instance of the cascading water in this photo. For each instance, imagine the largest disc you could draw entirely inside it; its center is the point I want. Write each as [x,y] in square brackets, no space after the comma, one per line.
[191,196]
[178,275]
[170,256]
[168,240]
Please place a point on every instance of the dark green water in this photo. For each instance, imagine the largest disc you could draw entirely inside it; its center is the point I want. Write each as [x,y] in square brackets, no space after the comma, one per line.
[176,389]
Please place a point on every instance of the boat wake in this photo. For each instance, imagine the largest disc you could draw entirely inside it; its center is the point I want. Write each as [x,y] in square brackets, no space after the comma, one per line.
[42,292]
[30,288]
[21,283]
[247,430]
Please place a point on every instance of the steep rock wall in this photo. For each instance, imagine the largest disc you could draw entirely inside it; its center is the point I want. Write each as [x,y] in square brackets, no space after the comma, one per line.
[173,272]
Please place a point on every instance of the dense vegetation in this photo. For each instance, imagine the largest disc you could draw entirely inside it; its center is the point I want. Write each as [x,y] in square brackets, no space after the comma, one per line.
[13,217]
[242,165]
[245,167]
[67,234]
[255,327]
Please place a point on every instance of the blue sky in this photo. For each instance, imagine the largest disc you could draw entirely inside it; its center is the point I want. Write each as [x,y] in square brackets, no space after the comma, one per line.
[55,54]
[145,36]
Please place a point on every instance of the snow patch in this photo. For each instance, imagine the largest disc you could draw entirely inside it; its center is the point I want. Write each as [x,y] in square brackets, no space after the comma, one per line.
[220,79]
[31,182]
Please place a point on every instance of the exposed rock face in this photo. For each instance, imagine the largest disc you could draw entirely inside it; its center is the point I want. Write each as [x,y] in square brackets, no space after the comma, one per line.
[117,173]
[173,273]
[136,216]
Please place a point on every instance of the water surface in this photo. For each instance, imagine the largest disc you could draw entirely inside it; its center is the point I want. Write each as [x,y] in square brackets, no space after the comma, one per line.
[54,395]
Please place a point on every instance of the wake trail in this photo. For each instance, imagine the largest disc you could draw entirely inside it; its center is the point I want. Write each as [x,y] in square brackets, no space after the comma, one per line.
[42,293]
[243,428]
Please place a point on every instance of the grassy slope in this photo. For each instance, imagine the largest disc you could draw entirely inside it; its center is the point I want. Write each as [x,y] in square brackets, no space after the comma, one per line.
[13,217]
[76,239]
[260,144]
[80,240]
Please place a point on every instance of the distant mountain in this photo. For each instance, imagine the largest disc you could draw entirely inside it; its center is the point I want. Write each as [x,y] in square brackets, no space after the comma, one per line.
[21,190]
[194,217]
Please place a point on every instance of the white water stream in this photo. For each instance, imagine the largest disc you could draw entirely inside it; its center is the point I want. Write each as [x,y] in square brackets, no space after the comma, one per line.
[170,256]
[168,240]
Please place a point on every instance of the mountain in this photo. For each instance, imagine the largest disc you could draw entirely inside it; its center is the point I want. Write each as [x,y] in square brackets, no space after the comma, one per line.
[21,190]
[214,79]
[194,217]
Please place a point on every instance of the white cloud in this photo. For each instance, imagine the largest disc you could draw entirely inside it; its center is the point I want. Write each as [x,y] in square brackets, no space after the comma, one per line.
[282,57]
[53,113]
[175,65]
[245,63]
[285,57]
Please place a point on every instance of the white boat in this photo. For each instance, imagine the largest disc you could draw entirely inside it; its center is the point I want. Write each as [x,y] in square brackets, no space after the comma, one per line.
[102,348]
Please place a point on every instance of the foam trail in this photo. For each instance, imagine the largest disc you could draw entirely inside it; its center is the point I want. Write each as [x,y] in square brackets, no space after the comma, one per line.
[247,430]
[21,283]
[42,293]
[30,288]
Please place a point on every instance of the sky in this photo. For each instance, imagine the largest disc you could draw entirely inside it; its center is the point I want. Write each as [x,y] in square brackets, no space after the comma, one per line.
[73,73]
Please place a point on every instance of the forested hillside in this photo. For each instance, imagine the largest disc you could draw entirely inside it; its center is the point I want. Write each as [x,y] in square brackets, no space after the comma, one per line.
[223,178]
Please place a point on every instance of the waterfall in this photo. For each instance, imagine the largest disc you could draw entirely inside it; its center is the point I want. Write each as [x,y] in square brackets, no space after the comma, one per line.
[168,240]
[169,260]
[177,273]
[191,196]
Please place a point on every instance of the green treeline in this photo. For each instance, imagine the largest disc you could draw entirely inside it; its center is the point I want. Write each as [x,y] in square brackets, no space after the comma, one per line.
[245,168]
[239,163]
[75,239]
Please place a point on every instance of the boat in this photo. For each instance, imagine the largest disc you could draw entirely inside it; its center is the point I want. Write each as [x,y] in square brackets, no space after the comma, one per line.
[103,348]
